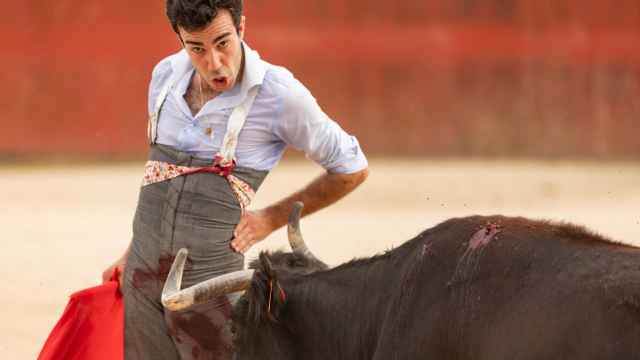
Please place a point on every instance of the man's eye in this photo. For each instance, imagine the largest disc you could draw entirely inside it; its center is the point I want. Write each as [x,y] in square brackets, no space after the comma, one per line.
[197,50]
[223,44]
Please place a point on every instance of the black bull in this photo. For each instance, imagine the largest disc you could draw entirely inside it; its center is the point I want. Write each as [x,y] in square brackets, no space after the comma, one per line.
[469,288]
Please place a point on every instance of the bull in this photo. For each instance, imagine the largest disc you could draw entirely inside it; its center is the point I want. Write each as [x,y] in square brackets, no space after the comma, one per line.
[469,288]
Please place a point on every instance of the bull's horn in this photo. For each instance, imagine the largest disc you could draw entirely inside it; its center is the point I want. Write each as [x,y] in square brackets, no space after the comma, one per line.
[175,299]
[174,279]
[295,235]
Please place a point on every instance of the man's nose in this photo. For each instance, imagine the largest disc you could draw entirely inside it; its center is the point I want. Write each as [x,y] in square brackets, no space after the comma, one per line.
[214,61]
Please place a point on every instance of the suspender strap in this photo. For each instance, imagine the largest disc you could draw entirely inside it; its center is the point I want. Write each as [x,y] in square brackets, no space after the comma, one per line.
[235,124]
[152,125]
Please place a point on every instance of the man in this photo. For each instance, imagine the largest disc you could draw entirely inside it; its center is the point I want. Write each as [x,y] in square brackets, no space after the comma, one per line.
[220,120]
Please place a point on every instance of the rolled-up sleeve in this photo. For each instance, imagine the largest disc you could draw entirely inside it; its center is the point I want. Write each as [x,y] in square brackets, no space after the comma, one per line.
[303,125]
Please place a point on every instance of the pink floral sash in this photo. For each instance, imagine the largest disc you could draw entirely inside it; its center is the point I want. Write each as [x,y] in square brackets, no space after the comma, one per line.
[157,171]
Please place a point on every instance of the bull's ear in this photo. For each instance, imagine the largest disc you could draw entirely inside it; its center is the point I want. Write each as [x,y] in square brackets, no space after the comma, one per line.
[265,264]
[266,295]
[274,292]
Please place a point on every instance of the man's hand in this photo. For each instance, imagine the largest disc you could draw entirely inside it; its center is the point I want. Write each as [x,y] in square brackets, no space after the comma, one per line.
[254,226]
[119,265]
[106,275]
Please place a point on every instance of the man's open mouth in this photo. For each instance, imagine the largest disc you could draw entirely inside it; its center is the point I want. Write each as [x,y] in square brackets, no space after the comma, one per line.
[220,81]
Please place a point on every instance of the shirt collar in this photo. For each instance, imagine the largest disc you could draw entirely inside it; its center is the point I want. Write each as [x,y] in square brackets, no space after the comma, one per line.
[253,75]
[254,70]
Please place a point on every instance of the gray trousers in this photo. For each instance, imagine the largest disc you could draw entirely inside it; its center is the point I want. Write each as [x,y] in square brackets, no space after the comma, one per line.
[198,212]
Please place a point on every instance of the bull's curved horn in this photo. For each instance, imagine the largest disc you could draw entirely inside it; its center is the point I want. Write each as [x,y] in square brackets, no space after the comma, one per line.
[174,279]
[175,299]
[295,235]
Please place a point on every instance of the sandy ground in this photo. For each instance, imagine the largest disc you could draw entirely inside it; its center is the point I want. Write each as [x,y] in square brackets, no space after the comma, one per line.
[63,225]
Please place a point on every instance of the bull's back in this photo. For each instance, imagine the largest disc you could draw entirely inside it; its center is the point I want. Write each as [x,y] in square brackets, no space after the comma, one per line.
[511,288]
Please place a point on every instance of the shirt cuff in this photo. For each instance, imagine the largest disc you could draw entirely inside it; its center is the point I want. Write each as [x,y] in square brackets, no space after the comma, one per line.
[352,161]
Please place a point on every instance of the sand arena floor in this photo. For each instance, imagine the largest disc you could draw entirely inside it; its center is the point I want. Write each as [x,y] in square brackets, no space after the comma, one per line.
[63,225]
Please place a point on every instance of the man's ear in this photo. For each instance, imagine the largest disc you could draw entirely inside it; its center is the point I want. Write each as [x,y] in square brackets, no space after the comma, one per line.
[241,27]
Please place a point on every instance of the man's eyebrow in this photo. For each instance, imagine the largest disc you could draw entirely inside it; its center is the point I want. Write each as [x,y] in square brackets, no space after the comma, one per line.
[190,42]
[221,37]
[198,43]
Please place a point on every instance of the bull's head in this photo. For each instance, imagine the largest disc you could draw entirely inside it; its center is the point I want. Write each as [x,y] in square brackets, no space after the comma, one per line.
[260,333]
[300,261]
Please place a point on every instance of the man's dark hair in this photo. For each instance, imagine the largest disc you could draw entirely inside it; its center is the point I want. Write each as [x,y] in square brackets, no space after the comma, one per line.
[192,15]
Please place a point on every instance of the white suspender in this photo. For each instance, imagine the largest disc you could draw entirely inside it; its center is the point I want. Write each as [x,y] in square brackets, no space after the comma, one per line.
[235,124]
[152,125]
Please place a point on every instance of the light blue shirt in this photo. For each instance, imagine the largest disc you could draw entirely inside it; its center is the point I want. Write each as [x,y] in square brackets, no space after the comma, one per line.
[283,113]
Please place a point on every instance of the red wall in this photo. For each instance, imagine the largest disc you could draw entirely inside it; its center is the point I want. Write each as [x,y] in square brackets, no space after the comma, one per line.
[462,77]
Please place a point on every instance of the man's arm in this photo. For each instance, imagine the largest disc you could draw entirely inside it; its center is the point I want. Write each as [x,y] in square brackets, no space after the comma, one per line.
[325,190]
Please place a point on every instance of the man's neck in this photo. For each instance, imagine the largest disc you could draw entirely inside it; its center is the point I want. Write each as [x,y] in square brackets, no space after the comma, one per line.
[242,65]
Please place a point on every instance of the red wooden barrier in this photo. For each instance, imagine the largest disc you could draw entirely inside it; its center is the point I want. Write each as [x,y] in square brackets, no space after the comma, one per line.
[491,77]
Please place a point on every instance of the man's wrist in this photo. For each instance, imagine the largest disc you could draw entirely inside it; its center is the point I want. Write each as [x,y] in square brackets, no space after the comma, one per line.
[271,218]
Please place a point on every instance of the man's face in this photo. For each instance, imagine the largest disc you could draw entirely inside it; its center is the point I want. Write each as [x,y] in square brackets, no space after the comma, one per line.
[216,51]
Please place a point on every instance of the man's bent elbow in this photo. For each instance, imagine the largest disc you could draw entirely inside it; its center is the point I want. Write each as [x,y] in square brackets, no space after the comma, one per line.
[357,178]
[362,175]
